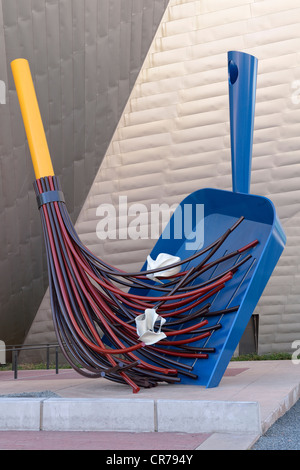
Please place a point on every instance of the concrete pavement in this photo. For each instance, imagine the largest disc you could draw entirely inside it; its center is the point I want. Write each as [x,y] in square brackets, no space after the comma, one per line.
[100,414]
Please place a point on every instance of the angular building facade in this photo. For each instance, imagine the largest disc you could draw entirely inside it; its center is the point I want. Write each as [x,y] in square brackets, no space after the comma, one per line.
[85,57]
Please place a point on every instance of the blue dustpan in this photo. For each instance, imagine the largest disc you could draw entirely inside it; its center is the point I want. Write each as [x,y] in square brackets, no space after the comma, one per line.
[222,209]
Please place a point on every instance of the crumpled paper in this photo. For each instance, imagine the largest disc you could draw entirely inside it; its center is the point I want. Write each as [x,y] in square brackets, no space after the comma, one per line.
[163,259]
[145,326]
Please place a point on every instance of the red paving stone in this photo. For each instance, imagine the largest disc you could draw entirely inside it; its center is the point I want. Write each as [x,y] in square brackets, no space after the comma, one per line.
[44,374]
[50,374]
[231,372]
[48,440]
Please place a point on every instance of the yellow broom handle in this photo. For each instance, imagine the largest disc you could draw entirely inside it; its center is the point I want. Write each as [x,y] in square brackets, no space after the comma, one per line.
[33,124]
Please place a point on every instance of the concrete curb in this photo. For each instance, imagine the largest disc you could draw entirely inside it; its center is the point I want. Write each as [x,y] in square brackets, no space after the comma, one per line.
[20,414]
[103,414]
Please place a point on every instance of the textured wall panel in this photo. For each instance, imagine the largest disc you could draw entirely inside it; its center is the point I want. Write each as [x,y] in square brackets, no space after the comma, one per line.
[173,138]
[85,56]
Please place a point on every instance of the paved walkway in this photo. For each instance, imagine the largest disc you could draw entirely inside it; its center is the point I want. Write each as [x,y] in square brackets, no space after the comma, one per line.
[51,440]
[78,413]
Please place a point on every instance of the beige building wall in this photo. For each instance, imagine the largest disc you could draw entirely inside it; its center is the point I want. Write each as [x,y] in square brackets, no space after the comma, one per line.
[173,138]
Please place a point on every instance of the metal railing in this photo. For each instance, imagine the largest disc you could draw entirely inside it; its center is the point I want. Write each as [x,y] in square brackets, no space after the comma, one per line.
[18,348]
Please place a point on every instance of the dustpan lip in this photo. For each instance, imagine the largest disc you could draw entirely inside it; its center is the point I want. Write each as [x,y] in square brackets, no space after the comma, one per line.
[269,207]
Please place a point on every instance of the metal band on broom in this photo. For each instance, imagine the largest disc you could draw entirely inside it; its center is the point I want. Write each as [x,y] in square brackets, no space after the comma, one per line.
[101,326]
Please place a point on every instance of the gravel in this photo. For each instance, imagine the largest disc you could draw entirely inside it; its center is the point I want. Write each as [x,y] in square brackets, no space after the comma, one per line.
[284,434]
[44,394]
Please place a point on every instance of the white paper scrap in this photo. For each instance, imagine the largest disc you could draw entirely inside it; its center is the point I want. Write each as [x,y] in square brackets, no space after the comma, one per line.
[162,260]
[145,326]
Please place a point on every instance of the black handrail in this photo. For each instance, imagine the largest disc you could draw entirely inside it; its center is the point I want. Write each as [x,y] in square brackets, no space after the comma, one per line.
[15,349]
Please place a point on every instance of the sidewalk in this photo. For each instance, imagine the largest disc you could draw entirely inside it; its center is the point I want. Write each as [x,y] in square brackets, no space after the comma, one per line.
[85,413]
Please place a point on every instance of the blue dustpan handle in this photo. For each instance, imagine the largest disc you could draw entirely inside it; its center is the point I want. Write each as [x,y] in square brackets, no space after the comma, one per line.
[242,74]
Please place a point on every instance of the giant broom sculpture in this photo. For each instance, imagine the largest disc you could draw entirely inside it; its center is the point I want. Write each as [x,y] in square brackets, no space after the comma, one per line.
[95,312]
